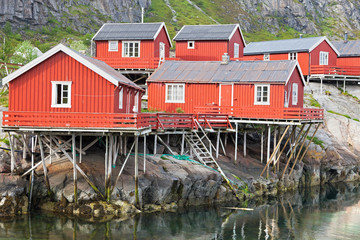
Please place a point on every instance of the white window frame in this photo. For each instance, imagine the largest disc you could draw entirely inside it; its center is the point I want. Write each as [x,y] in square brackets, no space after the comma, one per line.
[123,48]
[236,50]
[266,57]
[322,59]
[295,94]
[121,98]
[256,102]
[136,103]
[174,100]
[54,103]
[111,43]
[293,56]
[192,43]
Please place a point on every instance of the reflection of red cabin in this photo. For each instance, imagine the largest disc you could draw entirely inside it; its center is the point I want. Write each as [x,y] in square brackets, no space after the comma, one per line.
[311,53]
[209,42]
[241,85]
[132,45]
[65,81]
[349,52]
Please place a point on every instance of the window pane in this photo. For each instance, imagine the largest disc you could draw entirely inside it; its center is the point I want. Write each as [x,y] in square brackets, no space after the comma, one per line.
[65,100]
[169,95]
[180,93]
[126,50]
[58,93]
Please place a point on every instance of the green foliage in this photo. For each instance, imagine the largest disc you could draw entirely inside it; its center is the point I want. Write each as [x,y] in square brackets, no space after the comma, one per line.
[244,188]
[344,115]
[5,140]
[179,110]
[78,46]
[24,53]
[7,28]
[312,101]
[327,93]
[4,99]
[316,141]
[345,93]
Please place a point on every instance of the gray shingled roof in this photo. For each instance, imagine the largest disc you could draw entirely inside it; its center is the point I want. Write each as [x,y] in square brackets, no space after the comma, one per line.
[348,49]
[282,46]
[205,32]
[234,71]
[127,31]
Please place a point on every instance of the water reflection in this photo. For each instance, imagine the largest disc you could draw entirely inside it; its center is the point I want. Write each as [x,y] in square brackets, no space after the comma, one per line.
[328,213]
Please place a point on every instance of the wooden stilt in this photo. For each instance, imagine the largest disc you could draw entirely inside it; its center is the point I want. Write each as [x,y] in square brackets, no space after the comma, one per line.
[109,165]
[302,145]
[121,145]
[166,146]
[80,157]
[24,147]
[50,147]
[32,171]
[217,143]
[262,146]
[344,86]
[168,139]
[44,165]
[277,147]
[308,145]
[182,143]
[245,143]
[12,157]
[236,140]
[223,147]
[144,153]
[277,155]
[106,163]
[155,143]
[69,145]
[275,138]
[321,84]
[226,139]
[125,144]
[268,148]
[74,168]
[89,145]
[210,146]
[137,202]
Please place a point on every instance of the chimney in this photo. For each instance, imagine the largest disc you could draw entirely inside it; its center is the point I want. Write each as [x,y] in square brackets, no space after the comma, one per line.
[346,37]
[225,59]
[142,15]
[300,36]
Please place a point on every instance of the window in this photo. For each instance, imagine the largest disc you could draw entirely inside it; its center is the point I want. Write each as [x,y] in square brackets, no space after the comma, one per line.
[286,103]
[191,44]
[324,58]
[113,46]
[295,94]
[131,49]
[136,102]
[61,94]
[292,56]
[175,93]
[262,94]
[236,50]
[266,57]
[121,98]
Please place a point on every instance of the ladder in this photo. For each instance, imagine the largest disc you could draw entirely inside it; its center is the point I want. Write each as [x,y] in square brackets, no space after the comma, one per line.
[203,154]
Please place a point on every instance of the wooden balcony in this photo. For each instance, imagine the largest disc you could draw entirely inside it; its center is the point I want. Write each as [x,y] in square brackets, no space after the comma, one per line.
[265,113]
[154,121]
[335,70]
[134,62]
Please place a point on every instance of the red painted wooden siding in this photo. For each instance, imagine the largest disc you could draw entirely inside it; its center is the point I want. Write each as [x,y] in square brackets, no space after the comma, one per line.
[102,49]
[236,38]
[203,51]
[162,37]
[89,91]
[348,61]
[295,78]
[324,47]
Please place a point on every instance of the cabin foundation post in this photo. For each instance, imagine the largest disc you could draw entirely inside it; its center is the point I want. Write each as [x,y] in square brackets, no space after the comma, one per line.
[262,145]
[137,202]
[109,166]
[12,153]
[210,146]
[308,144]
[226,139]
[155,143]
[321,85]
[222,146]
[217,143]
[24,147]
[168,139]
[80,147]
[74,168]
[236,140]
[344,86]
[245,144]
[275,136]
[144,153]
[44,164]
[50,146]
[182,143]
[337,83]
[125,144]
[268,149]
[33,139]
[106,163]
[277,150]
[121,145]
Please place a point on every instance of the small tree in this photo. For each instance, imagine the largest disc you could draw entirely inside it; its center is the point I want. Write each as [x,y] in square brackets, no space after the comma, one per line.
[24,53]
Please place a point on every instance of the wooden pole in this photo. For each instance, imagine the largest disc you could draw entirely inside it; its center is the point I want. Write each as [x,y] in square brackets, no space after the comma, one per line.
[43,164]
[302,145]
[32,172]
[166,146]
[226,139]
[24,147]
[275,138]
[109,165]
[344,86]
[308,145]
[277,151]
[121,145]
[125,144]
[12,157]
[182,143]
[137,202]
[155,143]
[245,144]
[262,146]
[268,148]
[223,147]
[80,157]
[217,143]
[106,163]
[74,168]
[210,144]
[236,140]
[144,153]
[50,146]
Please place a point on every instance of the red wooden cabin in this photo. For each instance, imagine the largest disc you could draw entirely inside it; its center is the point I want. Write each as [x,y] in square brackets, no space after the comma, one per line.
[253,89]
[132,45]
[209,42]
[313,54]
[349,59]
[63,85]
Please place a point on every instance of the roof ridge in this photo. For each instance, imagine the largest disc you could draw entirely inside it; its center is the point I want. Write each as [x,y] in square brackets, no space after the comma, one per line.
[278,40]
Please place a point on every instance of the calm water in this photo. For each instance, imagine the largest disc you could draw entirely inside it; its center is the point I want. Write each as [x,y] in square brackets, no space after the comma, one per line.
[327,213]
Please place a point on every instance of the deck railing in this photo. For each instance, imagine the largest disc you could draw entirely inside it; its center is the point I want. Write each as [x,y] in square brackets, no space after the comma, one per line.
[109,120]
[264,113]
[335,70]
[134,62]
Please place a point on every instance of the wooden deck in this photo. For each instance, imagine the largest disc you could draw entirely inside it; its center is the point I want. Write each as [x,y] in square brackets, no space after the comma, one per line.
[134,62]
[335,70]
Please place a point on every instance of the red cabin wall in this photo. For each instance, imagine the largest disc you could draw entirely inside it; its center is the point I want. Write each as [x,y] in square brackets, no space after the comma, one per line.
[348,61]
[102,49]
[236,38]
[324,47]
[162,37]
[91,93]
[195,95]
[203,51]
[295,78]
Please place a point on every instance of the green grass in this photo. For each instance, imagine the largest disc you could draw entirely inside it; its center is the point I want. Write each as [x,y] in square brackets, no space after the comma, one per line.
[4,99]
[316,141]
[340,114]
[345,93]
[312,101]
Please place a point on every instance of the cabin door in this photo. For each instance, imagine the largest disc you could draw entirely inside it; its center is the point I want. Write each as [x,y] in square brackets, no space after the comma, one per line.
[226,96]
[162,53]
